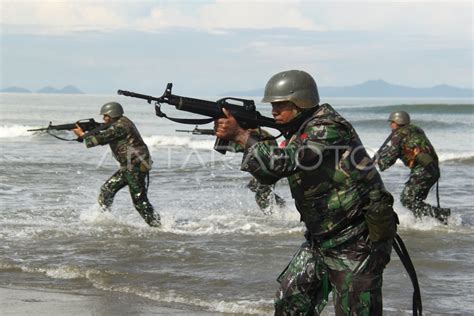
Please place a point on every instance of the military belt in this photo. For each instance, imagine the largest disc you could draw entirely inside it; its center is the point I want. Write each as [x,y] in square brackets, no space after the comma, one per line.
[338,236]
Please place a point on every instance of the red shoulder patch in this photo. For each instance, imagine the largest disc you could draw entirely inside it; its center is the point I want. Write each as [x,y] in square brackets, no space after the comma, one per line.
[282,144]
[303,136]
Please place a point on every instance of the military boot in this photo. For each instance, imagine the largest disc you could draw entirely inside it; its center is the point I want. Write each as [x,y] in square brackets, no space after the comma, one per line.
[441,214]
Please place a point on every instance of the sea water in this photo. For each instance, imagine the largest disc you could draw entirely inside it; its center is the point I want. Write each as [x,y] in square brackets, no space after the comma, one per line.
[216,251]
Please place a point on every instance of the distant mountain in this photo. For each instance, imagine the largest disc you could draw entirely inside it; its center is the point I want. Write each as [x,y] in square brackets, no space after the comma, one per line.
[15,90]
[378,88]
[48,90]
[65,90]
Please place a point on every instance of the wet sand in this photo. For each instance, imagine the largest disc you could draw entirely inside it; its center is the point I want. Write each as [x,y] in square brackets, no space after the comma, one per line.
[38,301]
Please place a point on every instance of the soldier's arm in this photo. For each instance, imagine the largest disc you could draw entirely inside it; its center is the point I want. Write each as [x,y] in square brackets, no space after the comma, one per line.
[234,147]
[269,163]
[114,132]
[258,134]
[389,154]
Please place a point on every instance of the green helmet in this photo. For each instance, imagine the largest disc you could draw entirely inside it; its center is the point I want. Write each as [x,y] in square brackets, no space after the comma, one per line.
[112,109]
[399,117]
[293,85]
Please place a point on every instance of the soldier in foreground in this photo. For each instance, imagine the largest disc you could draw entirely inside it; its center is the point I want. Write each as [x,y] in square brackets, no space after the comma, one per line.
[340,196]
[132,153]
[409,143]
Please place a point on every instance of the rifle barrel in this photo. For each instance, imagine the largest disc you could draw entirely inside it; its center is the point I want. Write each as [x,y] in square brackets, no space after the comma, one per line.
[149,98]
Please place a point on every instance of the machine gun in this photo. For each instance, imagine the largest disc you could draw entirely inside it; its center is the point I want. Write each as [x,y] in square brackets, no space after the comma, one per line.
[90,126]
[245,113]
[198,131]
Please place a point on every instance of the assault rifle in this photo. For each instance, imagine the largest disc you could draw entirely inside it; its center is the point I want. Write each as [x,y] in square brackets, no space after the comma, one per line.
[376,154]
[246,114]
[88,125]
[198,131]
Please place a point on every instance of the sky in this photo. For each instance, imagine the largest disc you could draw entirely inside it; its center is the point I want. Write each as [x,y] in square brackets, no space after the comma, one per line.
[210,47]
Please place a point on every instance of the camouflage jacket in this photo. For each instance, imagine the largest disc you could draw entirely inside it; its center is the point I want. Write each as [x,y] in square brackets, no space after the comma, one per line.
[258,133]
[410,144]
[125,142]
[329,173]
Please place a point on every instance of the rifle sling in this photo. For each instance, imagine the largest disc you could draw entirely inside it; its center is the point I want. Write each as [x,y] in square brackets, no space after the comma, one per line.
[61,138]
[159,113]
[402,252]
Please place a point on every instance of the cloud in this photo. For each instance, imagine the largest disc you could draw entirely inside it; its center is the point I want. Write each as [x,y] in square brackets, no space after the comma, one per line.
[399,17]
[441,18]
[162,18]
[342,42]
[58,17]
[254,15]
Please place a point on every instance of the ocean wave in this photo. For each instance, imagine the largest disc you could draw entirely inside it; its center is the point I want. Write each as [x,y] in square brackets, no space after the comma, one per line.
[7,189]
[64,272]
[12,131]
[383,124]
[415,108]
[260,307]
[460,158]
[178,141]
[233,224]
[100,280]
[198,218]
[194,223]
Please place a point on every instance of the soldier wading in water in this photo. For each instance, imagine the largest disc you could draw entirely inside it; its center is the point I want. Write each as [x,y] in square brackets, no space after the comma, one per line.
[264,193]
[340,196]
[132,153]
[409,143]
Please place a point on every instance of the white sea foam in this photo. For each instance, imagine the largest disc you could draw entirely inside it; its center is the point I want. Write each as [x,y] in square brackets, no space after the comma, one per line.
[178,141]
[231,222]
[260,307]
[65,272]
[445,157]
[408,221]
[95,216]
[12,131]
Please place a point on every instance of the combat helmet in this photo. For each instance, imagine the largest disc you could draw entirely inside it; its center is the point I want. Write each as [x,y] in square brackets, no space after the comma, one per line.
[292,85]
[112,109]
[399,117]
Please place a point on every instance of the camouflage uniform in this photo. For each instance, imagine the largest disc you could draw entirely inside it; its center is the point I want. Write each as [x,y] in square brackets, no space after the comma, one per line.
[410,144]
[332,182]
[132,153]
[263,192]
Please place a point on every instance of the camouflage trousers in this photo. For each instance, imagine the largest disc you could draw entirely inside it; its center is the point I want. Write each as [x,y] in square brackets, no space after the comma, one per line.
[352,272]
[136,181]
[416,191]
[264,196]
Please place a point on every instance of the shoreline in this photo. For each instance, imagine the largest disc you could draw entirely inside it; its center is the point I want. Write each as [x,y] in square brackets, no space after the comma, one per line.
[21,300]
